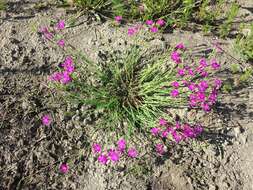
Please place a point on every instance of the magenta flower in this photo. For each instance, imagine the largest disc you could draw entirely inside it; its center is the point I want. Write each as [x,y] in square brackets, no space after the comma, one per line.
[153,29]
[175,56]
[57,76]
[193,100]
[121,145]
[214,64]
[204,73]
[103,159]
[46,120]
[177,137]
[48,35]
[118,19]
[192,86]
[96,148]
[212,97]
[217,83]
[160,149]
[203,63]
[203,85]
[190,72]
[181,72]
[114,155]
[155,131]
[165,133]
[205,107]
[175,84]
[188,131]
[201,96]
[131,31]
[160,22]
[180,46]
[149,22]
[198,130]
[61,43]
[66,78]
[68,61]
[132,152]
[162,122]
[64,168]
[60,25]
[174,93]
[68,65]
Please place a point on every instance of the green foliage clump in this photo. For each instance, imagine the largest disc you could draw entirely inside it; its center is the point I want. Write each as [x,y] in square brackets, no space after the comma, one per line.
[2,5]
[225,28]
[244,44]
[127,88]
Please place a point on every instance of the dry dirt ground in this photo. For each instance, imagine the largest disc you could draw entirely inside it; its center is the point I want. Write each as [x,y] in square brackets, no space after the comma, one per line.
[30,153]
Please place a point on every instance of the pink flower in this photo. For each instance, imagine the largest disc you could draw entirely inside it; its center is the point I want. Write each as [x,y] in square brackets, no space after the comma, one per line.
[204,74]
[121,145]
[177,137]
[160,22]
[174,93]
[131,31]
[203,63]
[57,76]
[160,149]
[180,46]
[48,35]
[68,65]
[217,83]
[118,19]
[188,131]
[175,56]
[162,122]
[149,22]
[132,152]
[155,131]
[203,85]
[198,129]
[192,86]
[212,97]
[46,120]
[181,72]
[205,107]
[201,96]
[64,168]
[165,133]
[61,43]
[175,84]
[60,25]
[96,148]
[153,29]
[214,64]
[103,159]
[190,72]
[114,155]
[66,78]
[193,100]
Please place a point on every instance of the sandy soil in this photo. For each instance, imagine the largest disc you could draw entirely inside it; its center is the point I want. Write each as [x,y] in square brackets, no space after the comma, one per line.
[30,153]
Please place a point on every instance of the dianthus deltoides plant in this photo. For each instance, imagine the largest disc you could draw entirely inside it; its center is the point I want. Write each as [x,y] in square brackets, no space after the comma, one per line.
[133,93]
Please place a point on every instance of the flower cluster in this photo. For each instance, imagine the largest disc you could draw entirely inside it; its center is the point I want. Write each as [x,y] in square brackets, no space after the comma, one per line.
[49,33]
[153,27]
[177,132]
[202,92]
[114,154]
[64,77]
